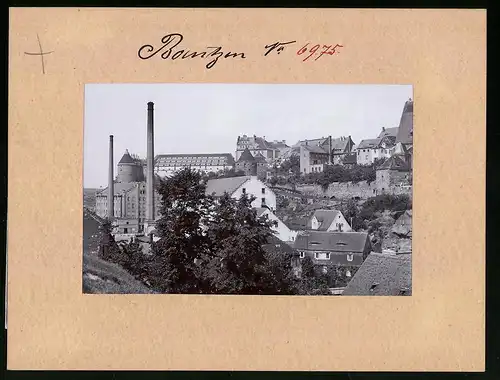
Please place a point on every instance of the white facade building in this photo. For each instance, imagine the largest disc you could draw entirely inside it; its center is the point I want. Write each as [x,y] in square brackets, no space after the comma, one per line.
[237,186]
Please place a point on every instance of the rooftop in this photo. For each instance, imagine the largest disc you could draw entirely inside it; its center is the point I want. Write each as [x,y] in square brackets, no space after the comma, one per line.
[369,143]
[219,186]
[332,241]
[326,218]
[391,132]
[382,275]
[394,163]
[405,131]
[246,156]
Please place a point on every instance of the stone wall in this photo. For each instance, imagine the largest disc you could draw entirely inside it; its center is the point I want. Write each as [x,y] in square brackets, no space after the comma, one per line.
[347,190]
[387,179]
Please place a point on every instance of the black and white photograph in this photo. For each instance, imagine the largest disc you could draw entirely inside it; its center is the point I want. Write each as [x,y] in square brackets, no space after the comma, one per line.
[248,189]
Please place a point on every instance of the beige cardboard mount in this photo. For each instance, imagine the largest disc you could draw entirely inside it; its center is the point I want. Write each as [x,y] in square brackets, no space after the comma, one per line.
[52,325]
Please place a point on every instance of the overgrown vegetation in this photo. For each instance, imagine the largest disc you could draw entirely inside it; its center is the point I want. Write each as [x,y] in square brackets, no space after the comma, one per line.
[365,216]
[208,246]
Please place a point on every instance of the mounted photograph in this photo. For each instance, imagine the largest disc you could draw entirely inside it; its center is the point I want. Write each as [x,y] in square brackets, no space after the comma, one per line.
[248,189]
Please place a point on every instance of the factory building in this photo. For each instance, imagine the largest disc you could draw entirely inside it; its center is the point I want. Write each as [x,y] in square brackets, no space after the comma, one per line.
[135,201]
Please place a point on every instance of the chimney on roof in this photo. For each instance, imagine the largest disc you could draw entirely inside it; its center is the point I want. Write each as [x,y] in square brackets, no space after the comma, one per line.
[111,184]
[383,129]
[150,164]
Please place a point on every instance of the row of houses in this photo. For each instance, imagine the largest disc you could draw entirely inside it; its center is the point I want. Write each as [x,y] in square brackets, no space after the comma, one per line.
[255,156]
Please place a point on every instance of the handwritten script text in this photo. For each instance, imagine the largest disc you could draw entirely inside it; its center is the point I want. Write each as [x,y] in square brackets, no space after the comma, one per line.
[171,41]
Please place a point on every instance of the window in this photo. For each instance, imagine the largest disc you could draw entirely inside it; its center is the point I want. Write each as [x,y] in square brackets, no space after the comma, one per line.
[263,190]
[348,273]
[125,231]
[263,201]
[302,255]
[372,288]
[350,256]
[244,191]
[322,255]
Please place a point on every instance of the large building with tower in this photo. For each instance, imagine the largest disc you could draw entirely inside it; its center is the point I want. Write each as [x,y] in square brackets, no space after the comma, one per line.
[134,208]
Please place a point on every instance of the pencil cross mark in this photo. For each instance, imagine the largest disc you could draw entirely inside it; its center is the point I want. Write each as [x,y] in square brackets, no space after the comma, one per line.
[41,53]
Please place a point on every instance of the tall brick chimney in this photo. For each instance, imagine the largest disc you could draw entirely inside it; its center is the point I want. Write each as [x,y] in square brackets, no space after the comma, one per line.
[150,216]
[111,183]
[330,149]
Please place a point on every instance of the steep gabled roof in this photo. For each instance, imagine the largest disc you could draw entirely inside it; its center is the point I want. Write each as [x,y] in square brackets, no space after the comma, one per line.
[315,149]
[405,132]
[246,156]
[382,275]
[369,143]
[341,143]
[394,163]
[388,132]
[331,241]
[219,186]
[326,218]
[127,159]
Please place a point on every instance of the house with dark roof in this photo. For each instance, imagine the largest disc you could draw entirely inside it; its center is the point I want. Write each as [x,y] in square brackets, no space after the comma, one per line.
[166,165]
[313,158]
[329,220]
[370,150]
[391,132]
[341,147]
[256,145]
[393,172]
[245,185]
[252,165]
[333,248]
[382,275]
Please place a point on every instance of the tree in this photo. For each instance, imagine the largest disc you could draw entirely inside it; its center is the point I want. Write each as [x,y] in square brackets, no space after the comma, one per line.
[178,255]
[311,282]
[239,262]
[108,249]
[291,165]
[273,181]
[350,211]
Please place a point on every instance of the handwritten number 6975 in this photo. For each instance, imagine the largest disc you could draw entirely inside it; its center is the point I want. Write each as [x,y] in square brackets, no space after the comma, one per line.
[327,49]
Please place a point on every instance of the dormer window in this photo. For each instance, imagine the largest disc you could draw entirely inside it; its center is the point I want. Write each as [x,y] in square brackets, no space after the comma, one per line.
[350,257]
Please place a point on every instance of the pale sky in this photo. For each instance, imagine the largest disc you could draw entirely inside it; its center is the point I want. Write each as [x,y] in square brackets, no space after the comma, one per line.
[207,118]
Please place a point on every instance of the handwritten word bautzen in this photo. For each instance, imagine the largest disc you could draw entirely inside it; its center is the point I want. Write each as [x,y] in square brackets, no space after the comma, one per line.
[171,41]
